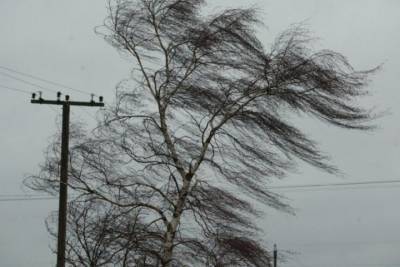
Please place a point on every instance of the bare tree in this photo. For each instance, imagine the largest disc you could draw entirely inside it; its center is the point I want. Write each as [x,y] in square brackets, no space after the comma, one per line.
[102,234]
[187,149]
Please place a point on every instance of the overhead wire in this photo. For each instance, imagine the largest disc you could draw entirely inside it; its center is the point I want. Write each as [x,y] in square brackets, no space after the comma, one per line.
[27,82]
[306,186]
[26,198]
[347,264]
[22,91]
[45,80]
[22,195]
[291,245]
[15,89]
[332,186]
[42,80]
[330,189]
[39,86]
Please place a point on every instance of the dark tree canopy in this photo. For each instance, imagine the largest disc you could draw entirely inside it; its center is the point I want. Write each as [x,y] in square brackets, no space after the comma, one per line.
[169,177]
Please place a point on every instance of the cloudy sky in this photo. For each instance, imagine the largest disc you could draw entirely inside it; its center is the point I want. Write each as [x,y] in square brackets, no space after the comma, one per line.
[334,226]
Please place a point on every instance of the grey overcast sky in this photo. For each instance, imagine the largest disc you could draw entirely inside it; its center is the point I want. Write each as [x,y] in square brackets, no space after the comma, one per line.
[352,226]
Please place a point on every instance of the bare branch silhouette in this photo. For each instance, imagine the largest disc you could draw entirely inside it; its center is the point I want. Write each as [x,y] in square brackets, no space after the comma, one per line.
[169,176]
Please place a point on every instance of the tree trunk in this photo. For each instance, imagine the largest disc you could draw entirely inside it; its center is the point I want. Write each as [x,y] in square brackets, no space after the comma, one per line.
[173,224]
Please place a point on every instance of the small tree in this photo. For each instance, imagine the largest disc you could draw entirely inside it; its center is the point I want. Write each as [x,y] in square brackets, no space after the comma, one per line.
[183,154]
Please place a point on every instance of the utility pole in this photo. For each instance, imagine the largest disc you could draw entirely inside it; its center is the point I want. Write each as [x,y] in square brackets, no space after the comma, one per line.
[275,255]
[62,208]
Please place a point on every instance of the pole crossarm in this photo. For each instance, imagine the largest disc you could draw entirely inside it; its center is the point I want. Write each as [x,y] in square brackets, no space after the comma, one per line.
[71,103]
[90,103]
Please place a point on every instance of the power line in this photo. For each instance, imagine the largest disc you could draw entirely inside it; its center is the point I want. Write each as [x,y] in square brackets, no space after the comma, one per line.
[38,85]
[25,198]
[347,264]
[22,195]
[44,80]
[15,89]
[330,189]
[290,245]
[22,91]
[10,197]
[306,186]
[27,82]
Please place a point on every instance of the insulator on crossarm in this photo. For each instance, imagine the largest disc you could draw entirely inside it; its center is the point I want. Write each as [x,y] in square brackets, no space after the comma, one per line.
[58,96]
[33,95]
[101,99]
[67,98]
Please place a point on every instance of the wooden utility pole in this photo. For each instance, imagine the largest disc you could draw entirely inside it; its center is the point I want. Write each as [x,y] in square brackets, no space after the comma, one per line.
[62,208]
[275,255]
